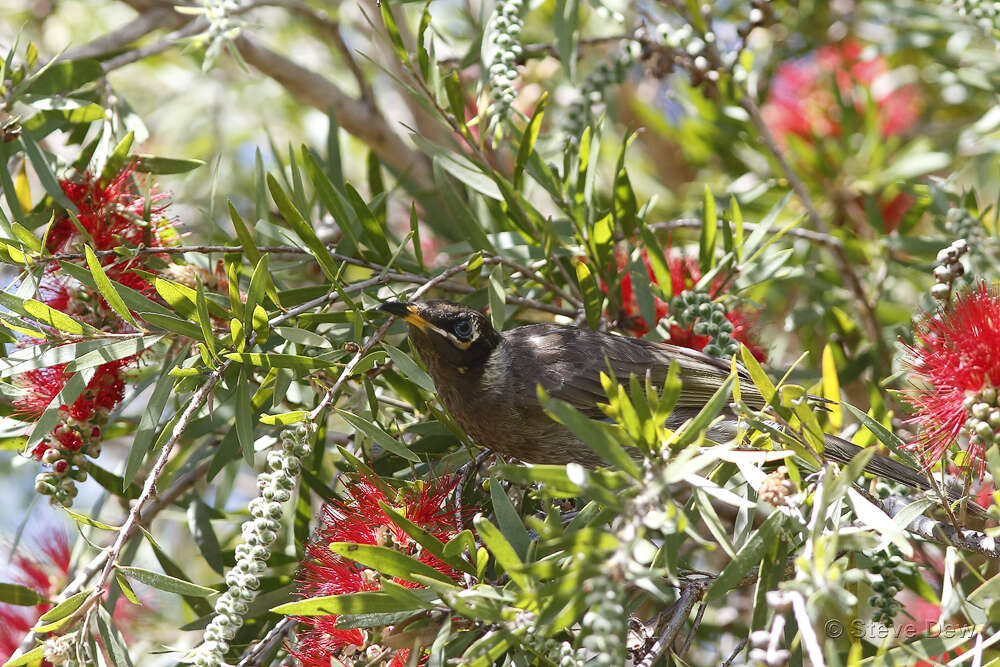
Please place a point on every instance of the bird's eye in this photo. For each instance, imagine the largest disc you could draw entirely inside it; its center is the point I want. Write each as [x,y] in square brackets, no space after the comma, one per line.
[463,329]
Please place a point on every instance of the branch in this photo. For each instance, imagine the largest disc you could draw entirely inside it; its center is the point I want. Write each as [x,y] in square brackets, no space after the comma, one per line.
[251,658]
[83,577]
[353,115]
[943,533]
[531,51]
[682,609]
[819,238]
[140,26]
[356,116]
[331,28]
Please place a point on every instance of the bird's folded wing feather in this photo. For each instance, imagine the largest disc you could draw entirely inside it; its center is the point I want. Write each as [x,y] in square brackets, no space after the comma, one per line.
[568,363]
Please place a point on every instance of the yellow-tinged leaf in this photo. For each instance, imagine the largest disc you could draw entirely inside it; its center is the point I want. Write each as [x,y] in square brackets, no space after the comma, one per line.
[55,318]
[23,189]
[831,388]
[284,418]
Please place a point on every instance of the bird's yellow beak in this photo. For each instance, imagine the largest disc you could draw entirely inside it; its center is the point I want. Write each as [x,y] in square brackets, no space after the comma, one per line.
[407,311]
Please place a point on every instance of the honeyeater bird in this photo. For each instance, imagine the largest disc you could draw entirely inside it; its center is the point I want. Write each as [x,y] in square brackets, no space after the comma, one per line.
[487,381]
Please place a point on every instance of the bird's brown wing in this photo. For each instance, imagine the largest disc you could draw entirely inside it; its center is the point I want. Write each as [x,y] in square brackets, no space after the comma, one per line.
[568,362]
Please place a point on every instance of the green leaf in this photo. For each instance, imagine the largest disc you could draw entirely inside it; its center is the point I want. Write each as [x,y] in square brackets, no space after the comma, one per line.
[885,436]
[566,21]
[393,31]
[388,561]
[593,299]
[165,582]
[692,429]
[54,318]
[64,77]
[351,603]
[152,164]
[205,320]
[303,337]
[20,595]
[298,224]
[174,324]
[50,417]
[112,352]
[748,556]
[148,422]
[510,522]
[297,362]
[244,415]
[709,229]
[498,298]
[30,659]
[105,287]
[136,301]
[59,614]
[245,236]
[199,523]
[460,167]
[502,550]
[378,436]
[528,138]
[87,521]
[408,367]
[373,232]
[112,639]
[433,545]
[596,435]
[118,158]
[285,418]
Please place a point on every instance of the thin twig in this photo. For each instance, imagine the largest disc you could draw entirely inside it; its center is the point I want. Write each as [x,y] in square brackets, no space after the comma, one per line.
[331,28]
[387,275]
[86,573]
[531,51]
[942,533]
[819,238]
[251,658]
[732,657]
[688,599]
[149,488]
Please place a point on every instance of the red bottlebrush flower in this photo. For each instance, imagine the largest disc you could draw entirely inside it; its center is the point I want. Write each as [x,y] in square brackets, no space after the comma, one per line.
[39,386]
[801,100]
[684,274]
[46,574]
[360,519]
[111,213]
[958,363]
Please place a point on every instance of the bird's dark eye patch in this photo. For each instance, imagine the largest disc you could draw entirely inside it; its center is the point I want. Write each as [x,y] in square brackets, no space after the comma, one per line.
[462,329]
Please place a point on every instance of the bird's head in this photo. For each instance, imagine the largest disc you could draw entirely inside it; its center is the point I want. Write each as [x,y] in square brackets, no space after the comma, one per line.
[446,333]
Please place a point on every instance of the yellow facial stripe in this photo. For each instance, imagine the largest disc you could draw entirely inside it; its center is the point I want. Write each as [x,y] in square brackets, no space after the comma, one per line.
[415,319]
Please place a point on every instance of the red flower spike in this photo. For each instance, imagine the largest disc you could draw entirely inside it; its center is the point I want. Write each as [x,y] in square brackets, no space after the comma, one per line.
[360,519]
[111,213]
[958,362]
[801,100]
[684,274]
[45,576]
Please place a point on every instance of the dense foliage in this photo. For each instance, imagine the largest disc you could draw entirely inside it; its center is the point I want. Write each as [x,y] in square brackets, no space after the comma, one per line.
[203,203]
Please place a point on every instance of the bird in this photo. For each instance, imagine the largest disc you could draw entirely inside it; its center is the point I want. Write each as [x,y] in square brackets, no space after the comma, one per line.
[487,380]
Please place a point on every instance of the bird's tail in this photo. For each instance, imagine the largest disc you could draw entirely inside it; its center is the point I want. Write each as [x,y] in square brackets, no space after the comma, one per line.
[843,451]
